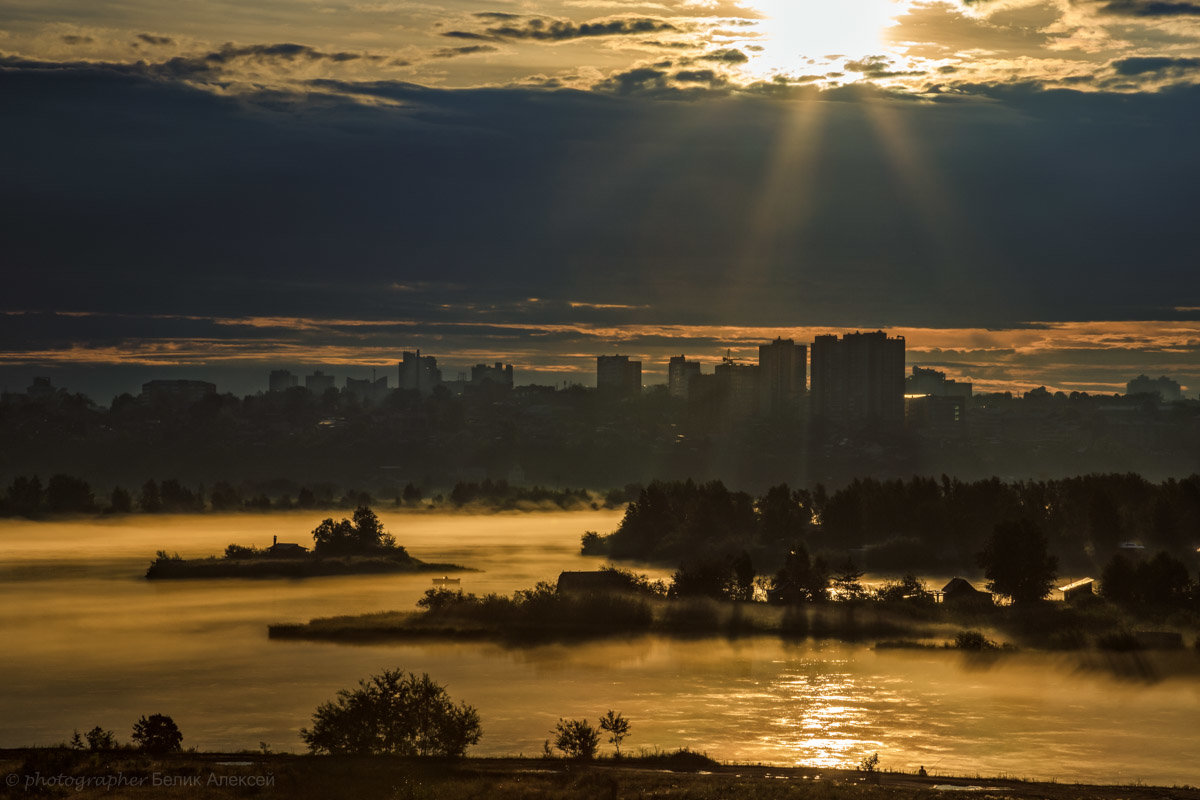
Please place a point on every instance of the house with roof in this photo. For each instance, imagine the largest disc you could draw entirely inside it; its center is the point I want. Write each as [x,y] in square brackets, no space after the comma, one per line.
[1076,590]
[280,549]
[960,592]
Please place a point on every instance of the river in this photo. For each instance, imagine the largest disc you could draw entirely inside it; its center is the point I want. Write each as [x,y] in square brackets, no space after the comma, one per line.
[85,641]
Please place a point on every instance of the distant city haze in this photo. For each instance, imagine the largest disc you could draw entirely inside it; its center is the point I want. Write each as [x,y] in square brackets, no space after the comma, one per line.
[1097,358]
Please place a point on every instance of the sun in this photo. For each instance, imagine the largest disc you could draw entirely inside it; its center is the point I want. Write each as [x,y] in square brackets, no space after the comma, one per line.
[794,31]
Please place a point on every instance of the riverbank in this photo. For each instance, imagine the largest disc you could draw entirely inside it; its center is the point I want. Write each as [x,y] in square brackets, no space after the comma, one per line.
[62,773]
[544,614]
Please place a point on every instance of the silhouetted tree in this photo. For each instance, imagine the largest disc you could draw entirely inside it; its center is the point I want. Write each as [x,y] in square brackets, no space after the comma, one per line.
[705,577]
[177,497]
[907,588]
[120,501]
[149,500]
[68,494]
[617,728]
[782,514]
[157,734]
[224,497]
[99,739]
[25,496]
[742,586]
[305,498]
[847,581]
[393,712]
[799,580]
[1017,562]
[1118,581]
[334,538]
[576,738]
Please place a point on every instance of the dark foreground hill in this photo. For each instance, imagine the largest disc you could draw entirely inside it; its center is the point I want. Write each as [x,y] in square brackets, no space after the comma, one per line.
[59,773]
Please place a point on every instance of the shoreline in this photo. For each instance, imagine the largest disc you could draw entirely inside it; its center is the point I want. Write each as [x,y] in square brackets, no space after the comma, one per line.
[215,774]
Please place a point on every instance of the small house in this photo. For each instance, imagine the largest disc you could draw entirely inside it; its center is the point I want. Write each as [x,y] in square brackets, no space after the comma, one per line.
[280,549]
[959,591]
[1077,590]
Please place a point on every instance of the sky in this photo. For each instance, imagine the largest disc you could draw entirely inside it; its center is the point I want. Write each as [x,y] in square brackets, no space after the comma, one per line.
[214,189]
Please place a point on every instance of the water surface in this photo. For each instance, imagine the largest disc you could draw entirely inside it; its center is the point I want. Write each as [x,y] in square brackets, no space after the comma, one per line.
[87,641]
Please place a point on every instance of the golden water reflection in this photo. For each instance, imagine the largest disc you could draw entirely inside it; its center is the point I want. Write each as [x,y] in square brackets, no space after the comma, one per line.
[86,641]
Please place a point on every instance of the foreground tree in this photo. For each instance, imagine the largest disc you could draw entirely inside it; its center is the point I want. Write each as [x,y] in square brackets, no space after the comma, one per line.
[393,712]
[617,728]
[576,738]
[157,734]
[1017,561]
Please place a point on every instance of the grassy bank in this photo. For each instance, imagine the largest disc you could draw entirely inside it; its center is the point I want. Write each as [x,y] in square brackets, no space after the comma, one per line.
[214,775]
[542,614]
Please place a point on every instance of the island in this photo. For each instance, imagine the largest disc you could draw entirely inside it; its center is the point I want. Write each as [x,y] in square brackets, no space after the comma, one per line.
[350,546]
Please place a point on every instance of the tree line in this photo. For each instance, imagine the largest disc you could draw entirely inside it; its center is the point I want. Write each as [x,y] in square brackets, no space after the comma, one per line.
[917,524]
[27,496]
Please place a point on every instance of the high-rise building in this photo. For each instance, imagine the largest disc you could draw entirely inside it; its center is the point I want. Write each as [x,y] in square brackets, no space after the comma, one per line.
[617,375]
[498,375]
[858,378]
[281,380]
[739,388]
[783,375]
[368,390]
[318,383]
[1168,390]
[419,372]
[680,372]
[935,383]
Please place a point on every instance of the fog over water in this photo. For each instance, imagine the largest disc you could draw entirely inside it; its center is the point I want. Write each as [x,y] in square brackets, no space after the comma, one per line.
[85,641]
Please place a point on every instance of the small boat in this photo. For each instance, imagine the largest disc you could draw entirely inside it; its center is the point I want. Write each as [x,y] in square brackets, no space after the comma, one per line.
[445,581]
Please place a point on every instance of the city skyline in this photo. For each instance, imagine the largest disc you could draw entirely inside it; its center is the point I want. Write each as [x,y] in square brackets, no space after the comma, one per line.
[370,378]
[1008,184]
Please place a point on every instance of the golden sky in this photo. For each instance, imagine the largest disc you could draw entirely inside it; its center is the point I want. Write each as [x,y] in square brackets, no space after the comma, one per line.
[918,46]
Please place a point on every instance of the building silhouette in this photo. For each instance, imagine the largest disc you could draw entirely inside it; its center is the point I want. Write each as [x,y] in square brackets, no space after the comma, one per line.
[1168,390]
[783,375]
[281,380]
[367,390]
[318,383]
[739,388]
[680,372]
[419,372]
[497,375]
[934,382]
[858,378]
[617,375]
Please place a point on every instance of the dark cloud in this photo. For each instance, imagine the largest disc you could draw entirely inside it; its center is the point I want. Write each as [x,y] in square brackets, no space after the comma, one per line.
[150,38]
[557,30]
[877,67]
[285,51]
[214,204]
[1151,8]
[727,56]
[484,37]
[71,38]
[1155,65]
[467,50]
[699,76]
